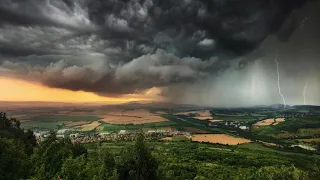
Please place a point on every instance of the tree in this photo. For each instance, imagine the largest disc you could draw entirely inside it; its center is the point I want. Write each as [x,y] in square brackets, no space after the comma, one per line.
[101,164]
[51,153]
[279,173]
[10,128]
[138,163]
[73,169]
[14,162]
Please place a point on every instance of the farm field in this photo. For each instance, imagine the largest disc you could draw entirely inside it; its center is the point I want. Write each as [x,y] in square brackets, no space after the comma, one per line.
[105,127]
[311,140]
[53,121]
[195,130]
[296,123]
[74,124]
[257,146]
[308,131]
[268,122]
[219,138]
[279,120]
[166,139]
[140,116]
[200,115]
[291,128]
[77,118]
[88,127]
[216,120]
[226,117]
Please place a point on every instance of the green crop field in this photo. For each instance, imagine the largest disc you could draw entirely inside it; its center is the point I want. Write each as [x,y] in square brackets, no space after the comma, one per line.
[235,118]
[301,127]
[116,127]
[53,121]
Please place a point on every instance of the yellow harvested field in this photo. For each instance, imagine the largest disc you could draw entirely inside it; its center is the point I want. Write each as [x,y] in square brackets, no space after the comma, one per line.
[268,122]
[219,138]
[132,117]
[216,120]
[265,122]
[89,127]
[166,139]
[77,123]
[132,120]
[203,118]
[279,120]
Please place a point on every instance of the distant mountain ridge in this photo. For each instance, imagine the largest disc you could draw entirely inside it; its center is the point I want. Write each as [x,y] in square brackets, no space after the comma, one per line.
[138,104]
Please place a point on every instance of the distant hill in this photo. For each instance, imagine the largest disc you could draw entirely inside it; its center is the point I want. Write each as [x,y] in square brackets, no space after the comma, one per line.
[42,104]
[151,105]
[134,104]
[137,104]
[311,107]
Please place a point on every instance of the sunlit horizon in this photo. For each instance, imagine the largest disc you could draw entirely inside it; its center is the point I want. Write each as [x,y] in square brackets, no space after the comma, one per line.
[17,90]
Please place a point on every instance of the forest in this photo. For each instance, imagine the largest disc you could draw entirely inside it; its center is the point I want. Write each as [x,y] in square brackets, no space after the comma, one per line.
[21,157]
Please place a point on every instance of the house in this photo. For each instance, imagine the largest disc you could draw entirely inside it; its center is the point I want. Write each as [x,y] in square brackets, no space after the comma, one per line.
[151,131]
[123,132]
[156,131]
[41,134]
[37,135]
[213,124]
[104,134]
[62,131]
[60,135]
[74,135]
[244,127]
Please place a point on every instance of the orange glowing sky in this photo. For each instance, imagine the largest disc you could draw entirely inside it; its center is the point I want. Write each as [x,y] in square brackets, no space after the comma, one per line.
[19,90]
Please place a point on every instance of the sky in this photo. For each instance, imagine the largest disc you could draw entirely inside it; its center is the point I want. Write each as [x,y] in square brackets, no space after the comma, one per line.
[201,52]
[18,90]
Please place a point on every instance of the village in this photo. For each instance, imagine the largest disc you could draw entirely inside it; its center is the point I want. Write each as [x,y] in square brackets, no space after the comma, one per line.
[84,137]
[234,124]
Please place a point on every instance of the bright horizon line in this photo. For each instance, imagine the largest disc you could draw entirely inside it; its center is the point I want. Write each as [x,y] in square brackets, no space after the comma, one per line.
[79,102]
[18,90]
[145,102]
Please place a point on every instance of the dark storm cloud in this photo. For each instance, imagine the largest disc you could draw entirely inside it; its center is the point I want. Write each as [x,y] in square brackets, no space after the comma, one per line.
[22,14]
[119,47]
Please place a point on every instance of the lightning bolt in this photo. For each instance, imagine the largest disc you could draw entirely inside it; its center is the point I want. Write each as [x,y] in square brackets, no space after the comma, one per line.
[278,82]
[302,23]
[306,18]
[304,93]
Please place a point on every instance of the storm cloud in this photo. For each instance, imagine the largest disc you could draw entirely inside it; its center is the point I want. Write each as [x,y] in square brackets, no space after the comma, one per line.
[114,48]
